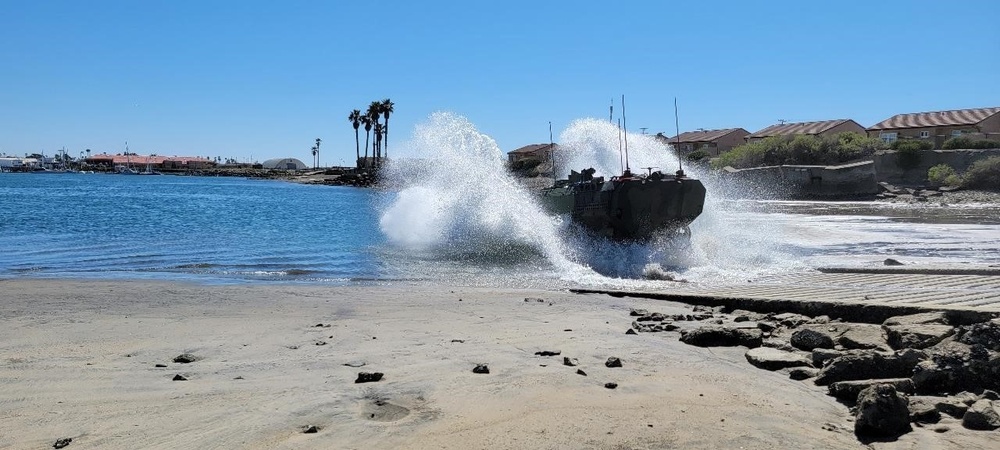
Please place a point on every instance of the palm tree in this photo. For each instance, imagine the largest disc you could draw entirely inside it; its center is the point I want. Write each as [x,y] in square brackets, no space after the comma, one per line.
[315,151]
[318,141]
[367,121]
[355,118]
[375,112]
[386,110]
[379,132]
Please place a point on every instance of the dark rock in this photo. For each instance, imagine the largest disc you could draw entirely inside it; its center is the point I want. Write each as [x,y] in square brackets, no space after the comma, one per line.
[160,365]
[458,341]
[320,343]
[821,356]
[777,343]
[954,366]
[631,331]
[952,407]
[882,412]
[808,339]
[989,395]
[61,443]
[716,336]
[849,390]
[549,353]
[863,337]
[613,362]
[868,364]
[986,334]
[179,378]
[773,359]
[891,262]
[185,358]
[355,364]
[924,409]
[611,385]
[767,326]
[581,372]
[965,397]
[638,312]
[654,317]
[481,368]
[916,336]
[311,429]
[982,415]
[820,319]
[368,377]
[803,373]
[534,299]
[572,362]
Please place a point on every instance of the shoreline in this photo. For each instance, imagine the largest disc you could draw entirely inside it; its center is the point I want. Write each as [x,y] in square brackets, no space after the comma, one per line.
[272,360]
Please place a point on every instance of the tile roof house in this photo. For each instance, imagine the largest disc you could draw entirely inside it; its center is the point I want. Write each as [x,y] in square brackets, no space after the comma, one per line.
[713,142]
[939,126]
[541,152]
[821,128]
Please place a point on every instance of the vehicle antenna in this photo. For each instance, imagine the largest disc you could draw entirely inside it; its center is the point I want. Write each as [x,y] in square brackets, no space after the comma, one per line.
[627,172]
[677,128]
[552,155]
[620,159]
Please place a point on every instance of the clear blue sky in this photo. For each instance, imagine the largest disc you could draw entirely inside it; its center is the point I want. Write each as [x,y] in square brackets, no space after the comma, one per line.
[264,78]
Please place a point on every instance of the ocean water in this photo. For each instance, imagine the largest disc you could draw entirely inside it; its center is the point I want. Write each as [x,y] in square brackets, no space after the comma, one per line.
[452,217]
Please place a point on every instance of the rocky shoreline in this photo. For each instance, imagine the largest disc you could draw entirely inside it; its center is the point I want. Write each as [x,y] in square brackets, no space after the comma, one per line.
[913,370]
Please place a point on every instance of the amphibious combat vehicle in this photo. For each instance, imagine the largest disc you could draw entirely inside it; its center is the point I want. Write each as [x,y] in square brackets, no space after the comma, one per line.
[629,207]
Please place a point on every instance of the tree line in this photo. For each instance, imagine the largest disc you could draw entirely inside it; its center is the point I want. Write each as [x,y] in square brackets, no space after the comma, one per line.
[376,119]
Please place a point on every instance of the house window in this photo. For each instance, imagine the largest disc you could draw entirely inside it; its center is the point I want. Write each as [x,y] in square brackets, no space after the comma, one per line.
[956,133]
[888,138]
[925,134]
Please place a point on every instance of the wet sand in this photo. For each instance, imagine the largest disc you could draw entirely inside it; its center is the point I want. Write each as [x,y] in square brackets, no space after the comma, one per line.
[79,361]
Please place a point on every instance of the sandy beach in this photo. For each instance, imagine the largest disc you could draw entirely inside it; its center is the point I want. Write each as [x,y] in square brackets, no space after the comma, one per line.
[79,360]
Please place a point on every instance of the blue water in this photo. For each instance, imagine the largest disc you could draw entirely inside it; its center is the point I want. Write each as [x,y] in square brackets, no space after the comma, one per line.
[212,228]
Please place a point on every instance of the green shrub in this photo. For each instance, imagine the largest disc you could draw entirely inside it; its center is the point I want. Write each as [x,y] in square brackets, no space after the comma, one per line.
[962,142]
[697,155]
[800,149]
[908,157]
[983,174]
[941,174]
[912,144]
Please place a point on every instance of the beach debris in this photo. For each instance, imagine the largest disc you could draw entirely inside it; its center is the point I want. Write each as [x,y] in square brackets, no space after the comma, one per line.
[368,377]
[240,377]
[611,385]
[179,377]
[572,362]
[309,429]
[481,368]
[773,359]
[62,442]
[458,341]
[534,299]
[320,343]
[891,262]
[721,336]
[160,365]
[322,325]
[631,331]
[882,412]
[613,362]
[808,339]
[548,353]
[982,415]
[185,358]
[581,372]
[354,364]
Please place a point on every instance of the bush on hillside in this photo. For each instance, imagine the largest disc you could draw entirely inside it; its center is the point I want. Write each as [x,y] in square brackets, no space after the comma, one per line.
[800,149]
[962,142]
[912,144]
[983,174]
[525,167]
[944,175]
[697,155]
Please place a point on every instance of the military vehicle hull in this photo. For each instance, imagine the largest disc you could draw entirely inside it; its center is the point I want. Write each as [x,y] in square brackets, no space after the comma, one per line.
[630,208]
